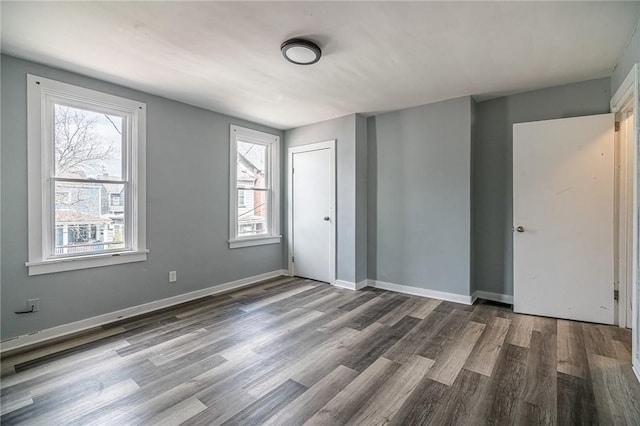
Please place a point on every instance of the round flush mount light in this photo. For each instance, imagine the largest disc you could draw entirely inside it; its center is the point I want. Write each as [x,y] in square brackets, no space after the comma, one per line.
[300,51]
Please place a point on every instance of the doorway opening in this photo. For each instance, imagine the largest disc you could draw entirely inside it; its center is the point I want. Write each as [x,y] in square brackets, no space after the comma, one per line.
[625,105]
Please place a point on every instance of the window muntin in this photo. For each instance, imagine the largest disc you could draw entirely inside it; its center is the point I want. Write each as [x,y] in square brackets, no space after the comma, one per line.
[86,177]
[254,187]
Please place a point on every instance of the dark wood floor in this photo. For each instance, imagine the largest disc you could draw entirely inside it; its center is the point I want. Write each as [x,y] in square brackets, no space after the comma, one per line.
[293,351]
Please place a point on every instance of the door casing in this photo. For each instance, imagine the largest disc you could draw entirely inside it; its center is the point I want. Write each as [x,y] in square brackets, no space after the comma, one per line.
[624,217]
[331,145]
[625,99]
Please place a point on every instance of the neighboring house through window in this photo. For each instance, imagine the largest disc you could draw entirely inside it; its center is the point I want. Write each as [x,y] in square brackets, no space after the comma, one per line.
[86,178]
[254,192]
[115,200]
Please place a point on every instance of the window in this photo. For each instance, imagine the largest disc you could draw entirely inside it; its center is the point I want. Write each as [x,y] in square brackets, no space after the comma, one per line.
[115,199]
[86,154]
[63,197]
[255,188]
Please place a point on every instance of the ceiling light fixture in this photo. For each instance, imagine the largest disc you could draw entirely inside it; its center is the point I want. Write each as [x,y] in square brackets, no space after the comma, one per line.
[300,51]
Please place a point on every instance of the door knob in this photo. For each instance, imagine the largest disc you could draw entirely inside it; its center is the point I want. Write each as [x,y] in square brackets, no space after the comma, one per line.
[326,218]
[520,229]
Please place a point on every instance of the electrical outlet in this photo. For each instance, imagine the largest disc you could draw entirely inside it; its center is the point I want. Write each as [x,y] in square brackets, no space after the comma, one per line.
[33,305]
[173,276]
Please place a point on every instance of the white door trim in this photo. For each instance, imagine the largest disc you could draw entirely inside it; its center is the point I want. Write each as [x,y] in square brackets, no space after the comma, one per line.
[627,99]
[625,147]
[331,145]
[622,102]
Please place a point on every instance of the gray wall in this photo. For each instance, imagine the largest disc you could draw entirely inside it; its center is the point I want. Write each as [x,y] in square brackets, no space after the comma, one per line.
[493,164]
[474,134]
[631,56]
[372,198]
[343,130]
[361,198]
[419,196]
[187,213]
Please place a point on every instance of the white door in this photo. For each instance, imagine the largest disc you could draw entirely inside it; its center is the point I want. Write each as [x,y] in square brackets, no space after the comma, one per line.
[312,211]
[563,216]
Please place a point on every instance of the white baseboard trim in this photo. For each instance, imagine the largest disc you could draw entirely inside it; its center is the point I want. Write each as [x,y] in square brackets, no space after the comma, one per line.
[351,285]
[637,371]
[418,291]
[85,324]
[495,297]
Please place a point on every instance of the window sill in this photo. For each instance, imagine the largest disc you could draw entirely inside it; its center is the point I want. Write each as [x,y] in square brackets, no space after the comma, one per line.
[256,241]
[51,266]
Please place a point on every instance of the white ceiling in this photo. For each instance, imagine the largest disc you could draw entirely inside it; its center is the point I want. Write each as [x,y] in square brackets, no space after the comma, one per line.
[378,56]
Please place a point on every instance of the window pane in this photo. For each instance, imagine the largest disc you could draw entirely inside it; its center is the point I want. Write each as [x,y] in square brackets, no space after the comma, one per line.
[88,144]
[252,160]
[87,219]
[252,215]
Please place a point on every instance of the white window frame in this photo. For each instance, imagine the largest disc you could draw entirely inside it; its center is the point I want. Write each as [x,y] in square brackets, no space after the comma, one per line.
[272,142]
[42,94]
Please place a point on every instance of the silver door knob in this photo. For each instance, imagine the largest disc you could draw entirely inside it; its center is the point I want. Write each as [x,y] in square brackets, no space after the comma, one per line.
[520,229]
[326,218]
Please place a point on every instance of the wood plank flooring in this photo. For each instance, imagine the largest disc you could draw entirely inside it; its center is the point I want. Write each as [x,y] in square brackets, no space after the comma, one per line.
[291,351]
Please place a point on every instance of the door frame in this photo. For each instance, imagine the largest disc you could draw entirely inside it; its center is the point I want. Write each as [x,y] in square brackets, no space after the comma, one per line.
[626,99]
[331,145]
[624,164]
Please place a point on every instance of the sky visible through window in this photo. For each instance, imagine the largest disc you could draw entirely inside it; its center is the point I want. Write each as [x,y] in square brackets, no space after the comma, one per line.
[87,143]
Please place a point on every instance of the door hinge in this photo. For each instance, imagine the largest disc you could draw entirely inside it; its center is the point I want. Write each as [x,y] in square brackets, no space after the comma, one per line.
[616,294]
[616,127]
[292,259]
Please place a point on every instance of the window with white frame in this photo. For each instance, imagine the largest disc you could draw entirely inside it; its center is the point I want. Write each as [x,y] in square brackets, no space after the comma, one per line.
[255,188]
[86,155]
